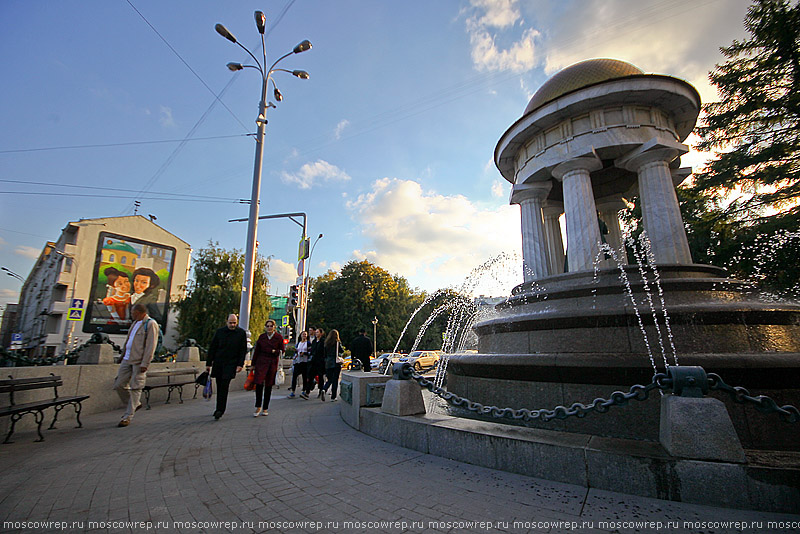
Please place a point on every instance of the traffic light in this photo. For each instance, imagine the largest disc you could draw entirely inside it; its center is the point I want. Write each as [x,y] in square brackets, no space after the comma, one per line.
[294,297]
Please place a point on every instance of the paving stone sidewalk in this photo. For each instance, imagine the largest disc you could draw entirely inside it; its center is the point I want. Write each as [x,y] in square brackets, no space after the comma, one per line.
[301,469]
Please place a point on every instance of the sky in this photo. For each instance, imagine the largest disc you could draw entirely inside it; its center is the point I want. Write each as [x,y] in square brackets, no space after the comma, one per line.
[387,147]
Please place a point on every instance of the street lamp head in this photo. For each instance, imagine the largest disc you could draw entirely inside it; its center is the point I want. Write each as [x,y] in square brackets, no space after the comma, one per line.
[223,31]
[278,95]
[261,22]
[235,66]
[302,47]
[303,75]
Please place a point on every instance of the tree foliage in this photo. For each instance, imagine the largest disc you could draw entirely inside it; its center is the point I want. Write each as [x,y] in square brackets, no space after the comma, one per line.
[214,292]
[361,291]
[755,127]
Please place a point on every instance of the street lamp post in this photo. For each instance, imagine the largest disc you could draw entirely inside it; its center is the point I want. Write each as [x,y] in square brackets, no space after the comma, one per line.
[261,120]
[375,337]
[12,274]
[68,333]
[306,280]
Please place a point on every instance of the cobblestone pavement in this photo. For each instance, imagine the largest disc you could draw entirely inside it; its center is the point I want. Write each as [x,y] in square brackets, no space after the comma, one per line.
[301,469]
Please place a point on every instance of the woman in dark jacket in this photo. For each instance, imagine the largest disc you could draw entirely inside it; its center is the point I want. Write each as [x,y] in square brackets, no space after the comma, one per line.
[333,349]
[266,358]
[317,364]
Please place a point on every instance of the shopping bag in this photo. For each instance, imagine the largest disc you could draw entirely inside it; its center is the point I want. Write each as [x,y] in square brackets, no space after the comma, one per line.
[202,378]
[250,381]
[208,391]
[280,376]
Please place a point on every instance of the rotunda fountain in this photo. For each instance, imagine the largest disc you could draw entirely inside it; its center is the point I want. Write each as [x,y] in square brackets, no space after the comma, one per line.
[596,133]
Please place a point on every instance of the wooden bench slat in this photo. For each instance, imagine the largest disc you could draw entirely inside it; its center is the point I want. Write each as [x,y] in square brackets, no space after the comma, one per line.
[44,403]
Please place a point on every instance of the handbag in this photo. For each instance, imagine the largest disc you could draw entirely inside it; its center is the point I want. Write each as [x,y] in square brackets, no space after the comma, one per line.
[208,390]
[202,378]
[250,381]
[280,376]
[339,359]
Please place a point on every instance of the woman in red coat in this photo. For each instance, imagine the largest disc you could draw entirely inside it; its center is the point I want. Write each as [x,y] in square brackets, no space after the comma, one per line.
[266,358]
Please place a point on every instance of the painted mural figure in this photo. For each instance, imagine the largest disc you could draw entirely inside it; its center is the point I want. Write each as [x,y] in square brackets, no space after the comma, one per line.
[145,291]
[119,298]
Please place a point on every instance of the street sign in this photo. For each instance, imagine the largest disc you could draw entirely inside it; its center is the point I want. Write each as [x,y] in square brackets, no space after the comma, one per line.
[77,303]
[285,320]
[16,340]
[75,314]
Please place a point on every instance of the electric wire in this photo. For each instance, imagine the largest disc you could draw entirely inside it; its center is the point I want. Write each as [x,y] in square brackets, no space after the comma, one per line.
[120,144]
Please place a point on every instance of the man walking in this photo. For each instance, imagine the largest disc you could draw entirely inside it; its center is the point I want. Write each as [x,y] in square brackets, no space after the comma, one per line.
[226,358]
[139,348]
[361,348]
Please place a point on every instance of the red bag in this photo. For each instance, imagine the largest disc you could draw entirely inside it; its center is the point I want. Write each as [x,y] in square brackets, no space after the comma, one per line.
[250,382]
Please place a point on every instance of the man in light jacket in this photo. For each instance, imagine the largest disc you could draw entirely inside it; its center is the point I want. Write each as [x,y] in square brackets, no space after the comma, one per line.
[138,351]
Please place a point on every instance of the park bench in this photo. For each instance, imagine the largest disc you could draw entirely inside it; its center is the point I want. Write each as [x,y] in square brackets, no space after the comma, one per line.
[37,407]
[176,379]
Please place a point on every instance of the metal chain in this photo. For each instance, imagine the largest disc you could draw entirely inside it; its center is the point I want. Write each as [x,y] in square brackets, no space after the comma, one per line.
[661,381]
[618,398]
[763,404]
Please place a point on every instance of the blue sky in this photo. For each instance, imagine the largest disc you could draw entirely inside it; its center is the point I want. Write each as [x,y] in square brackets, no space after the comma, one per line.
[388,146]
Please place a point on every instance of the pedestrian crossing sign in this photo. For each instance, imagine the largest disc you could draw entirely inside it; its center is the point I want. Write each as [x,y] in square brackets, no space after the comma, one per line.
[75,314]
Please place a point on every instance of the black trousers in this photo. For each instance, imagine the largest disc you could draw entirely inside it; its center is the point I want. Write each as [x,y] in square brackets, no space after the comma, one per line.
[365,363]
[300,369]
[333,380]
[222,393]
[263,393]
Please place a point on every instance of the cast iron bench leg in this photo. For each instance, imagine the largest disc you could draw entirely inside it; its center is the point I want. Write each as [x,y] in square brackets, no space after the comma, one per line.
[58,408]
[14,418]
[39,416]
[180,394]
[78,407]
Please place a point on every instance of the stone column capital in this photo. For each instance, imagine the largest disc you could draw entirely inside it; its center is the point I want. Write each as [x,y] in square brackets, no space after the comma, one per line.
[610,204]
[586,163]
[522,192]
[552,208]
[650,152]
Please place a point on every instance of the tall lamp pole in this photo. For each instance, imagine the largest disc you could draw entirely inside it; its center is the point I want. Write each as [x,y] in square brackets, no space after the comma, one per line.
[306,281]
[261,120]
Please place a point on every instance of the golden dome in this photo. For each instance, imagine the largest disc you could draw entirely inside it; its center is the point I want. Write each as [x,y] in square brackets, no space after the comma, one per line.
[581,75]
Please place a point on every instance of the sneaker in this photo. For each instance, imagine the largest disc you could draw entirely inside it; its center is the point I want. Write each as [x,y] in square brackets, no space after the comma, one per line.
[322,395]
[217,415]
[334,399]
[124,422]
[304,395]
[265,413]
[257,412]
[290,395]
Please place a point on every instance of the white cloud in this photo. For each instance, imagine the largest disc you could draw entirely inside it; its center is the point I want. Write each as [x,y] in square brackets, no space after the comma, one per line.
[310,173]
[281,273]
[9,296]
[500,188]
[424,235]
[340,128]
[486,54]
[2,241]
[28,252]
[498,13]
[681,39]
[165,117]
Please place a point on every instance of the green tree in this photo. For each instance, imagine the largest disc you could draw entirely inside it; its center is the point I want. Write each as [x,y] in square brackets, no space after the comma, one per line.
[350,299]
[755,132]
[214,292]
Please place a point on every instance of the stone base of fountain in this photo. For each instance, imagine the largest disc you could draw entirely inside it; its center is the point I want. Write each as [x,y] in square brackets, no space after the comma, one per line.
[576,337]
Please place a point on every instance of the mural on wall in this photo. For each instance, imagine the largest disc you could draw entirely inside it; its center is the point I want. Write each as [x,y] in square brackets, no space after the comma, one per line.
[127,271]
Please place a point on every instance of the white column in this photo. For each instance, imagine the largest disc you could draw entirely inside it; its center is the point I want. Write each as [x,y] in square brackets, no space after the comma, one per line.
[609,210]
[583,233]
[661,214]
[534,247]
[552,234]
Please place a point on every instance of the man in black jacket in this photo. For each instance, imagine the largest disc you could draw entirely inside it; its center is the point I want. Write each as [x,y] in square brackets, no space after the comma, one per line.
[226,358]
[361,348]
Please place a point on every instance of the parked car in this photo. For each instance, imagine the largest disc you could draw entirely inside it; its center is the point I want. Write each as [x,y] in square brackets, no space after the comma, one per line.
[422,359]
[384,360]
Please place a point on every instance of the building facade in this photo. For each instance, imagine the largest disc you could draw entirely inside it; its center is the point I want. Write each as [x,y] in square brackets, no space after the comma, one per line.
[88,279]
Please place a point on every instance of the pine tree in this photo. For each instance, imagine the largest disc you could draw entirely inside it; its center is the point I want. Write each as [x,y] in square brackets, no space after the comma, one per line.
[755,127]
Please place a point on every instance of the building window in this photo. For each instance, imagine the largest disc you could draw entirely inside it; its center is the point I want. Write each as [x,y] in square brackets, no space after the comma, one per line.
[111,258]
[123,260]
